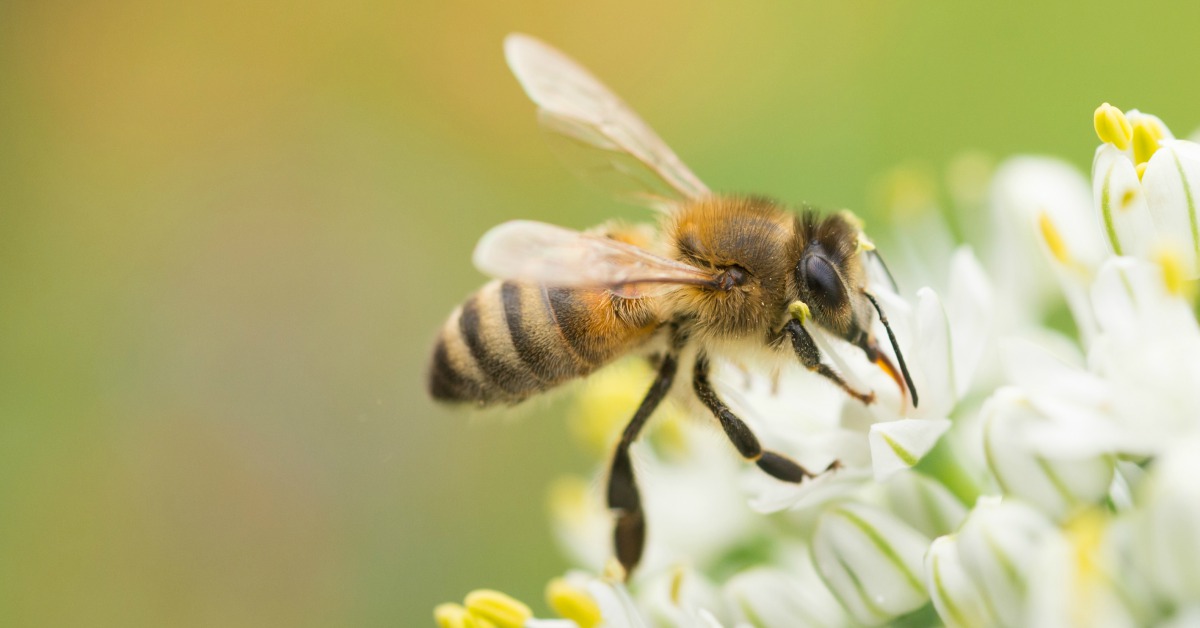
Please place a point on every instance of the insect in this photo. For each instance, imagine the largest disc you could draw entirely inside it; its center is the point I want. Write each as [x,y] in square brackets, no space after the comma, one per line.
[727,276]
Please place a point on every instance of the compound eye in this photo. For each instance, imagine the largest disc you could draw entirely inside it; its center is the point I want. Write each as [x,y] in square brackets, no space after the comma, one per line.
[731,277]
[822,281]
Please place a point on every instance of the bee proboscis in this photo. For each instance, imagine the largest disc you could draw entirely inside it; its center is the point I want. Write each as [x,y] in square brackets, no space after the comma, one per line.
[727,275]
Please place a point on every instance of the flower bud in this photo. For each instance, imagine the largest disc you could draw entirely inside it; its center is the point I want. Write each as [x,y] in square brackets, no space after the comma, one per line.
[871,561]
[1056,485]
[957,600]
[926,505]
[999,545]
[774,597]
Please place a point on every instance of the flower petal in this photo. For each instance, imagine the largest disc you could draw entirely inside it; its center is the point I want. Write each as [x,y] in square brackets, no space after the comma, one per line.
[934,359]
[1121,204]
[898,445]
[969,310]
[871,561]
[1172,185]
[998,545]
[924,503]
[1056,485]
[773,597]
[955,597]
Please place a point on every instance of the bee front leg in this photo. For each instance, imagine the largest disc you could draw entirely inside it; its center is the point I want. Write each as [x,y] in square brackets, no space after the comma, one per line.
[806,349]
[629,534]
[776,465]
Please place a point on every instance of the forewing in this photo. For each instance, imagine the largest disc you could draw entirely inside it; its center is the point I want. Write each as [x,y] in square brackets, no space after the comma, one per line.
[597,134]
[526,250]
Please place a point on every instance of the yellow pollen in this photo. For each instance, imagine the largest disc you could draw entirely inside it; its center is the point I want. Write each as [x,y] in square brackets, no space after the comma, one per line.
[497,608]
[1146,135]
[572,603]
[454,616]
[864,243]
[1141,170]
[1173,272]
[1112,126]
[799,311]
[1053,239]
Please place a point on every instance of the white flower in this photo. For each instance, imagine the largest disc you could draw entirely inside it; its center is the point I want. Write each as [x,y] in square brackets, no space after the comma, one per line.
[1046,242]
[1147,187]
[871,561]
[923,503]
[954,595]
[1058,486]
[1093,439]
[1167,530]
[791,595]
[1138,392]
[999,547]
[944,344]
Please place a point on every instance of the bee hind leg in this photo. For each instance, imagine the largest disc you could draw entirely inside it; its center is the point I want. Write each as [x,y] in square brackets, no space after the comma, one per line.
[774,464]
[629,533]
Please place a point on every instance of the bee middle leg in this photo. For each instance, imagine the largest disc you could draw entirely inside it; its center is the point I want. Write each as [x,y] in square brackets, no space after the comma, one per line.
[776,465]
[806,349]
[629,534]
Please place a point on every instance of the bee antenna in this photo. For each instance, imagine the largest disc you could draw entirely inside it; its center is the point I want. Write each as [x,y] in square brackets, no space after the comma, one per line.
[895,346]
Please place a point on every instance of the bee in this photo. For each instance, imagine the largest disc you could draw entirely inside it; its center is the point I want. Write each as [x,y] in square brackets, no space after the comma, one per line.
[728,275]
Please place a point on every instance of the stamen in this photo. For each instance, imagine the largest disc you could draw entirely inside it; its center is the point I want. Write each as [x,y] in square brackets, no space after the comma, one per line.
[1141,170]
[498,608]
[572,603]
[453,616]
[676,585]
[1112,126]
[1146,135]
[1053,239]
[1173,271]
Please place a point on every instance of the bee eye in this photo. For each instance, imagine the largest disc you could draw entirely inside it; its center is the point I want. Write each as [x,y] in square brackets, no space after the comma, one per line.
[822,282]
[731,277]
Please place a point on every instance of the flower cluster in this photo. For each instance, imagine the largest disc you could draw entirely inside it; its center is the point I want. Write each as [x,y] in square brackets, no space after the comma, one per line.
[1047,477]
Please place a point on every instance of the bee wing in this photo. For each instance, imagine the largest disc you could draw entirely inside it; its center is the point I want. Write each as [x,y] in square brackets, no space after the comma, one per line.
[526,250]
[597,134]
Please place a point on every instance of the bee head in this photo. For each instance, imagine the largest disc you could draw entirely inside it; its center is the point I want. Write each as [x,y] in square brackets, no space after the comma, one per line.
[828,270]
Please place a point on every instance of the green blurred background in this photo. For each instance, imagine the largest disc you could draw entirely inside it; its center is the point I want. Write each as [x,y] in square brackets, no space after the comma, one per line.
[228,232]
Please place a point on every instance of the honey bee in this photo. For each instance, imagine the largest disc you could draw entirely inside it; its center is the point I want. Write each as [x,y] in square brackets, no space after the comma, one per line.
[728,275]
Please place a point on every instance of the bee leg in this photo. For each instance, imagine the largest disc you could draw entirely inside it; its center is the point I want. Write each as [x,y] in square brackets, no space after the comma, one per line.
[810,356]
[629,534]
[776,465]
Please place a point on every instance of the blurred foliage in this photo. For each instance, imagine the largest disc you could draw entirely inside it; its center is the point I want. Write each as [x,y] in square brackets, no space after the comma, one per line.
[228,232]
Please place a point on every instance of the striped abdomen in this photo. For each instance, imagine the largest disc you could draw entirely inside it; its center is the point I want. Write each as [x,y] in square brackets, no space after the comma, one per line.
[511,340]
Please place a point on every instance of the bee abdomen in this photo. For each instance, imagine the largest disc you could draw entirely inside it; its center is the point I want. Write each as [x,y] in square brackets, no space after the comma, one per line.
[512,340]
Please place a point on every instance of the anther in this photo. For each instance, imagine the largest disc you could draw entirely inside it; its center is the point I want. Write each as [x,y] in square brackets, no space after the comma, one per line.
[1112,126]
